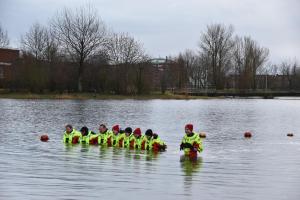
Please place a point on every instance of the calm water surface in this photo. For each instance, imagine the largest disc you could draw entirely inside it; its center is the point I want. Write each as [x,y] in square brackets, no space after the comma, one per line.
[267,166]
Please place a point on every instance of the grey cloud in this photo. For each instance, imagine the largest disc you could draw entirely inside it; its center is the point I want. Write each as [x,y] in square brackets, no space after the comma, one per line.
[169,26]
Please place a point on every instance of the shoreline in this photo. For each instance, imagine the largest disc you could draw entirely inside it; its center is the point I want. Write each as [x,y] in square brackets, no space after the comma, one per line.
[93,96]
[97,96]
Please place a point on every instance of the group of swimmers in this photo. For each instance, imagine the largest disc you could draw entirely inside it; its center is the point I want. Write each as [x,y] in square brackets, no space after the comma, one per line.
[115,137]
[191,143]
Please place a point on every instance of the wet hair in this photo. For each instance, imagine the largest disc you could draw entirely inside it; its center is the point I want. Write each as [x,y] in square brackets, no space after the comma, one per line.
[121,131]
[103,125]
[128,130]
[69,126]
[149,132]
[84,129]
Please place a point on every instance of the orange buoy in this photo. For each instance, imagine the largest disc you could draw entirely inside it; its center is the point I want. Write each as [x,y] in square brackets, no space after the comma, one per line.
[290,134]
[247,134]
[44,138]
[202,135]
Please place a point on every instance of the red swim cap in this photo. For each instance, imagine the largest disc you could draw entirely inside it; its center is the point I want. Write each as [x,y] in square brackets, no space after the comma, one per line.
[189,126]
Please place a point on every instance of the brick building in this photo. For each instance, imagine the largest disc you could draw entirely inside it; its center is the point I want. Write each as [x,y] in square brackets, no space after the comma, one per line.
[8,58]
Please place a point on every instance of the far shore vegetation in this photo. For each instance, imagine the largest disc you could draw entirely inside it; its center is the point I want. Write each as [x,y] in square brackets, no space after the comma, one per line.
[83,96]
[76,56]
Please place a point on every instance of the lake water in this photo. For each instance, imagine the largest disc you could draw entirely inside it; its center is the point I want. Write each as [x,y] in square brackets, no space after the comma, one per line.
[267,166]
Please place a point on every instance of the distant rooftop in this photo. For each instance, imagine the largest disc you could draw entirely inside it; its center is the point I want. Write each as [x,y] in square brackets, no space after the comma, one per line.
[159,61]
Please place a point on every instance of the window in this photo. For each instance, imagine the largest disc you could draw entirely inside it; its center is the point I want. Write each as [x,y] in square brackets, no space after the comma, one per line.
[1,73]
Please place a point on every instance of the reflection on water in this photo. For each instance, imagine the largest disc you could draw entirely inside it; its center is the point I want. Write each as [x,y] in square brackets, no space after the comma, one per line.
[267,166]
[190,166]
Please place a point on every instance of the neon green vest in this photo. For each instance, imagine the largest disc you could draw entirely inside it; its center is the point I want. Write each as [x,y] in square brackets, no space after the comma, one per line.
[157,140]
[117,138]
[86,139]
[102,137]
[127,140]
[68,137]
[136,141]
[191,140]
[148,142]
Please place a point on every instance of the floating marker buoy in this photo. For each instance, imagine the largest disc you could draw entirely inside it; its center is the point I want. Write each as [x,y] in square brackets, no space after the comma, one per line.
[202,135]
[44,138]
[247,134]
[290,134]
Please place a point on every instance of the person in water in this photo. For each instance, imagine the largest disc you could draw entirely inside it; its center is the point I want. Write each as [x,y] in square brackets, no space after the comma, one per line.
[117,137]
[135,141]
[113,136]
[128,136]
[86,135]
[103,135]
[121,138]
[191,142]
[71,136]
[157,144]
[146,140]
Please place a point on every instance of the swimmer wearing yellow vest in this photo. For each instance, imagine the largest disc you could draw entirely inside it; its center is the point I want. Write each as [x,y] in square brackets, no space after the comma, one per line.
[191,142]
[71,135]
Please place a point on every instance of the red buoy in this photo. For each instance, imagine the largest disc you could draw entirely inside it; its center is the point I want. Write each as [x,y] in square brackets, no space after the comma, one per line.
[44,138]
[247,134]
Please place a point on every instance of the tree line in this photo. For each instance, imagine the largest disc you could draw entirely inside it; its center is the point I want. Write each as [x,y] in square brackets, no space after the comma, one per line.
[227,61]
[75,51]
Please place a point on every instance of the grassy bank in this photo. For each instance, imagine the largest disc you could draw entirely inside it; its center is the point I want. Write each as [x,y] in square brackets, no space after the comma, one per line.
[95,96]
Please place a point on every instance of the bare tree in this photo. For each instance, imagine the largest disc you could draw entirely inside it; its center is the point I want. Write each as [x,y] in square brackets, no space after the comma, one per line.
[269,68]
[40,42]
[202,71]
[180,72]
[248,58]
[4,41]
[124,49]
[216,43]
[81,33]
[51,52]
[289,71]
[190,61]
[239,62]
[196,67]
[296,75]
[129,59]
[34,42]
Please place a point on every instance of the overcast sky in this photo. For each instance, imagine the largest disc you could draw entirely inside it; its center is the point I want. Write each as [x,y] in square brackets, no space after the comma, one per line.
[166,27]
